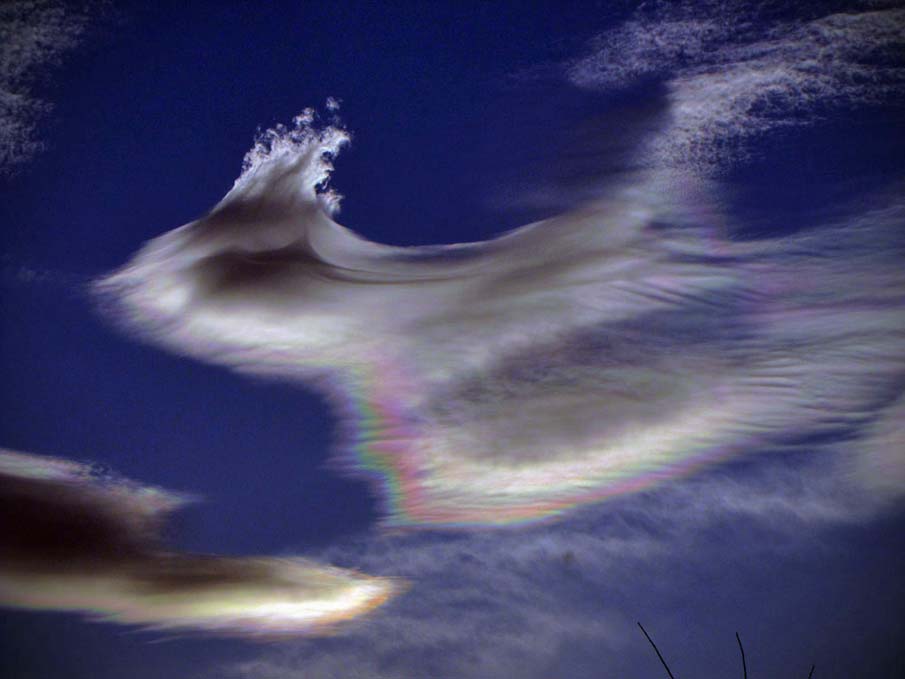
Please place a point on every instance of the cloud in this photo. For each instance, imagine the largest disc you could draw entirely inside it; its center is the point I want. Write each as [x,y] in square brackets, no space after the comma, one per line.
[733,72]
[563,599]
[34,35]
[877,458]
[597,353]
[733,401]
[77,539]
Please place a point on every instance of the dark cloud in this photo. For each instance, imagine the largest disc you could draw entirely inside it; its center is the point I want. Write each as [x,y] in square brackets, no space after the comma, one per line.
[76,539]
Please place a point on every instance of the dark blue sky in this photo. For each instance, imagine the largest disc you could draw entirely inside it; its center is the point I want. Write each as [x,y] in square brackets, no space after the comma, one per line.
[460,119]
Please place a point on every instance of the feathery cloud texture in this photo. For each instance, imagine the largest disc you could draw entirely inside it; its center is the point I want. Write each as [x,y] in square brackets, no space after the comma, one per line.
[34,35]
[734,72]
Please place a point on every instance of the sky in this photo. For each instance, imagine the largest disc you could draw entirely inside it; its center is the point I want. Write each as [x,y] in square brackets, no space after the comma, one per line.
[491,332]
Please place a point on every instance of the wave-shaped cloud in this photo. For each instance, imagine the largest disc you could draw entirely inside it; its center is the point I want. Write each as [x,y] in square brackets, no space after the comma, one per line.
[590,355]
[75,539]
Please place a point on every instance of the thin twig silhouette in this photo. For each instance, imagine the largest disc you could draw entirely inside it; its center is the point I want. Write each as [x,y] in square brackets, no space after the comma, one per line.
[740,648]
[656,650]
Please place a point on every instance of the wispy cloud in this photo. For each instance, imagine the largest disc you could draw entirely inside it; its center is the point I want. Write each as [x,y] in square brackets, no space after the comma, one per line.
[34,35]
[563,599]
[733,71]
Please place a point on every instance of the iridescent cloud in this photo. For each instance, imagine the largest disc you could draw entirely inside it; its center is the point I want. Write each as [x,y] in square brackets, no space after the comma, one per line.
[586,356]
[77,540]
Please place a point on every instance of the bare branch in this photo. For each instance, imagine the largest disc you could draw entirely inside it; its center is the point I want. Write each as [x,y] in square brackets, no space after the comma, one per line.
[657,650]
[740,648]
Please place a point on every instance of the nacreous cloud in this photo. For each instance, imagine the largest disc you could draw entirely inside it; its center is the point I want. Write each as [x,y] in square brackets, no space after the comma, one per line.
[75,541]
[585,356]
